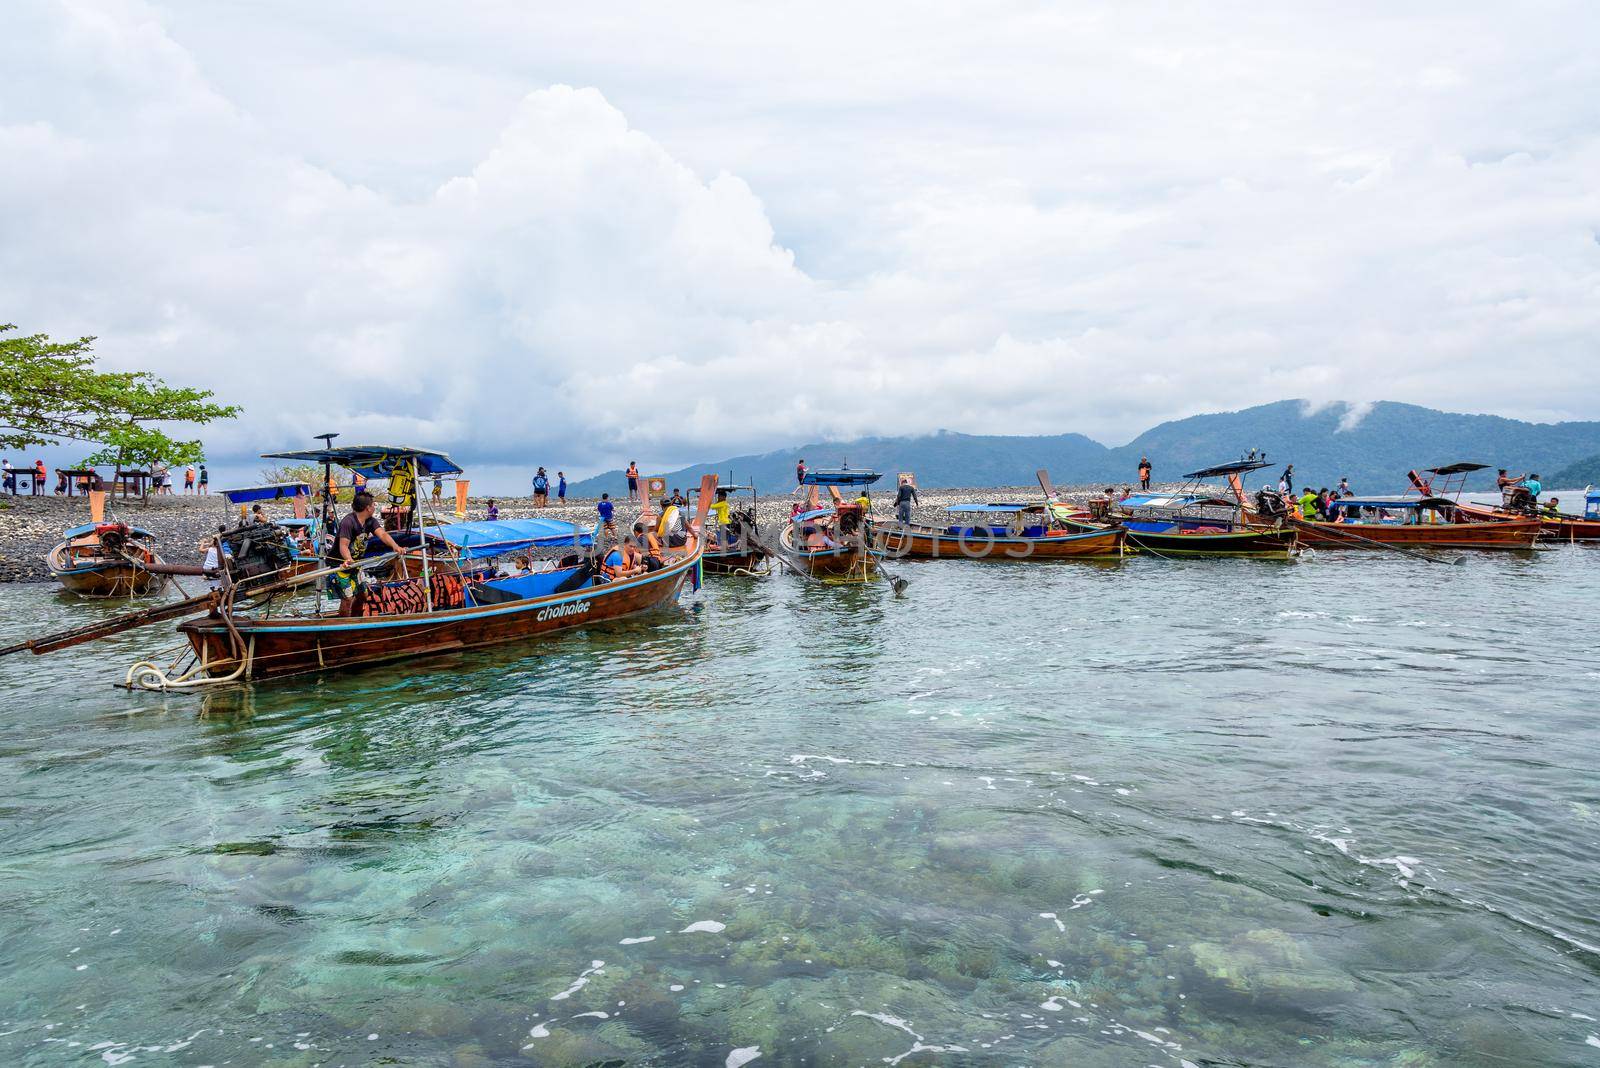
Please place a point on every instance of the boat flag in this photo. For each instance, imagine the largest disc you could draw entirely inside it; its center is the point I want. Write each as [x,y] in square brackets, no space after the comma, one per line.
[97,506]
[461,497]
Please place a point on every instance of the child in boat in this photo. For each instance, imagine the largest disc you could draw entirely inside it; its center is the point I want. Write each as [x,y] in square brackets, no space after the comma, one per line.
[493,513]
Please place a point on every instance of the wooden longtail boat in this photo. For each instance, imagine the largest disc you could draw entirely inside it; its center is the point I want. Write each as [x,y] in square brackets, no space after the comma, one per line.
[106,560]
[1515,503]
[1410,522]
[1560,527]
[489,613]
[830,542]
[1190,522]
[736,549]
[1032,536]
[1175,540]
[415,615]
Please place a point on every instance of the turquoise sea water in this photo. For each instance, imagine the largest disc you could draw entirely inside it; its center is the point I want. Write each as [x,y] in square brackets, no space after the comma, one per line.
[1342,811]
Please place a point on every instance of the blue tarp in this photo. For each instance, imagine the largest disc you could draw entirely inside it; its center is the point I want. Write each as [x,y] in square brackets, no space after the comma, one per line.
[473,541]
[272,492]
[991,507]
[803,516]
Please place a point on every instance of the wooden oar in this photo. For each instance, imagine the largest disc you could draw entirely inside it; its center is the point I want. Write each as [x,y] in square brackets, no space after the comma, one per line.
[1321,528]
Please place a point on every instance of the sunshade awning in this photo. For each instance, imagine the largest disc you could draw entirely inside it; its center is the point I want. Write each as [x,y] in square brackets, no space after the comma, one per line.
[996,507]
[841,478]
[1235,467]
[1457,469]
[1393,502]
[473,541]
[374,461]
[273,491]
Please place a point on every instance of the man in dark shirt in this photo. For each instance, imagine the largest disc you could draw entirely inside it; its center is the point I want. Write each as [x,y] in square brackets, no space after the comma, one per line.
[903,499]
[350,544]
[800,472]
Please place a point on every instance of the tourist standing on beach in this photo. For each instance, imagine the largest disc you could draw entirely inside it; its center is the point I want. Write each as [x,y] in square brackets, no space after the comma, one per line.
[608,513]
[561,487]
[541,489]
[8,477]
[205,479]
[1144,472]
[800,473]
[904,498]
[188,479]
[633,480]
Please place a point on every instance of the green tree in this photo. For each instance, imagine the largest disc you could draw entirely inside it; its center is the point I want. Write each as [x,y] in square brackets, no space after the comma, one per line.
[51,391]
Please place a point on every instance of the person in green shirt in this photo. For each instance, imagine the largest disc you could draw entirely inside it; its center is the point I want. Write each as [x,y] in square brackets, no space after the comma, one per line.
[1308,504]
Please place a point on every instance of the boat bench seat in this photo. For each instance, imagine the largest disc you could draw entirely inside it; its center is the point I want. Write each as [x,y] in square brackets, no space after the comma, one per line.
[1033,532]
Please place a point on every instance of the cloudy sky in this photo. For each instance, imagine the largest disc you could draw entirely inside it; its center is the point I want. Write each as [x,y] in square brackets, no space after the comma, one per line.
[578,234]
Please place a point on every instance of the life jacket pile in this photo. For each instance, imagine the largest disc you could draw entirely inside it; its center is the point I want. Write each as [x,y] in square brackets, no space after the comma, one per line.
[405,597]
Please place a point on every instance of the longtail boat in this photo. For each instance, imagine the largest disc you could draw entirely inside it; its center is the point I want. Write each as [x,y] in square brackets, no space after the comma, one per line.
[106,560]
[1410,522]
[1026,531]
[415,613]
[830,542]
[1515,503]
[735,549]
[1191,522]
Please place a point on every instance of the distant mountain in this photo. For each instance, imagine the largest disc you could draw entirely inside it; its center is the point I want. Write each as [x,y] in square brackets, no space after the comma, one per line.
[1585,472]
[1373,446]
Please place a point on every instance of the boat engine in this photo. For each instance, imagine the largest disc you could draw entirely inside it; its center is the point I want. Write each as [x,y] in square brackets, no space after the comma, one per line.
[113,538]
[258,549]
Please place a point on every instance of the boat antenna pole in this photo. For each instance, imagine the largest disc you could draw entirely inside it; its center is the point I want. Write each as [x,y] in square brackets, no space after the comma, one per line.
[416,519]
[328,511]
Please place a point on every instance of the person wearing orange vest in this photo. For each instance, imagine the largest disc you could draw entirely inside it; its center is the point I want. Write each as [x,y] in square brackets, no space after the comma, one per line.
[38,478]
[645,538]
[633,480]
[1144,472]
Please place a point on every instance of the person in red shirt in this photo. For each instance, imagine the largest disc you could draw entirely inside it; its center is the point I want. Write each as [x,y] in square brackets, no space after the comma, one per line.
[38,478]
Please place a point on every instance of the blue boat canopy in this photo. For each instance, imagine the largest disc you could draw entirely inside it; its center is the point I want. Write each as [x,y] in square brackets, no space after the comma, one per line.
[473,541]
[1170,500]
[374,461]
[813,514]
[842,477]
[998,507]
[273,491]
[89,528]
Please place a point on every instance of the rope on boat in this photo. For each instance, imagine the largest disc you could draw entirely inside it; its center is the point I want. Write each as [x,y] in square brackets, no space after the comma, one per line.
[149,675]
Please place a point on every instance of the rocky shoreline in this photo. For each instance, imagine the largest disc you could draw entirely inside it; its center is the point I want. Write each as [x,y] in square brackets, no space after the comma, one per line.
[31,526]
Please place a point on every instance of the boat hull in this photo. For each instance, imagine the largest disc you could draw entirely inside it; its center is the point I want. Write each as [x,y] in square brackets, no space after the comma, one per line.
[1495,534]
[102,579]
[928,543]
[1551,528]
[852,558]
[733,561]
[284,647]
[1264,543]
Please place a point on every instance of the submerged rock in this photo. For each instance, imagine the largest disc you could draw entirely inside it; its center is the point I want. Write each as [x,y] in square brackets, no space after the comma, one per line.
[1268,961]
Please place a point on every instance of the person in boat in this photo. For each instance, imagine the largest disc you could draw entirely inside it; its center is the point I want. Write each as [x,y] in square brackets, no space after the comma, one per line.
[633,480]
[1552,508]
[619,562]
[607,512]
[350,544]
[213,560]
[1144,472]
[678,500]
[1534,488]
[493,513]
[719,511]
[1344,488]
[1286,481]
[1309,505]
[650,546]
[800,473]
[438,488]
[904,498]
[258,514]
[672,528]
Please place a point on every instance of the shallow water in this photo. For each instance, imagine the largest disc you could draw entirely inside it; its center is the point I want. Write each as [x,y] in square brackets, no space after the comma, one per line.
[1342,811]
